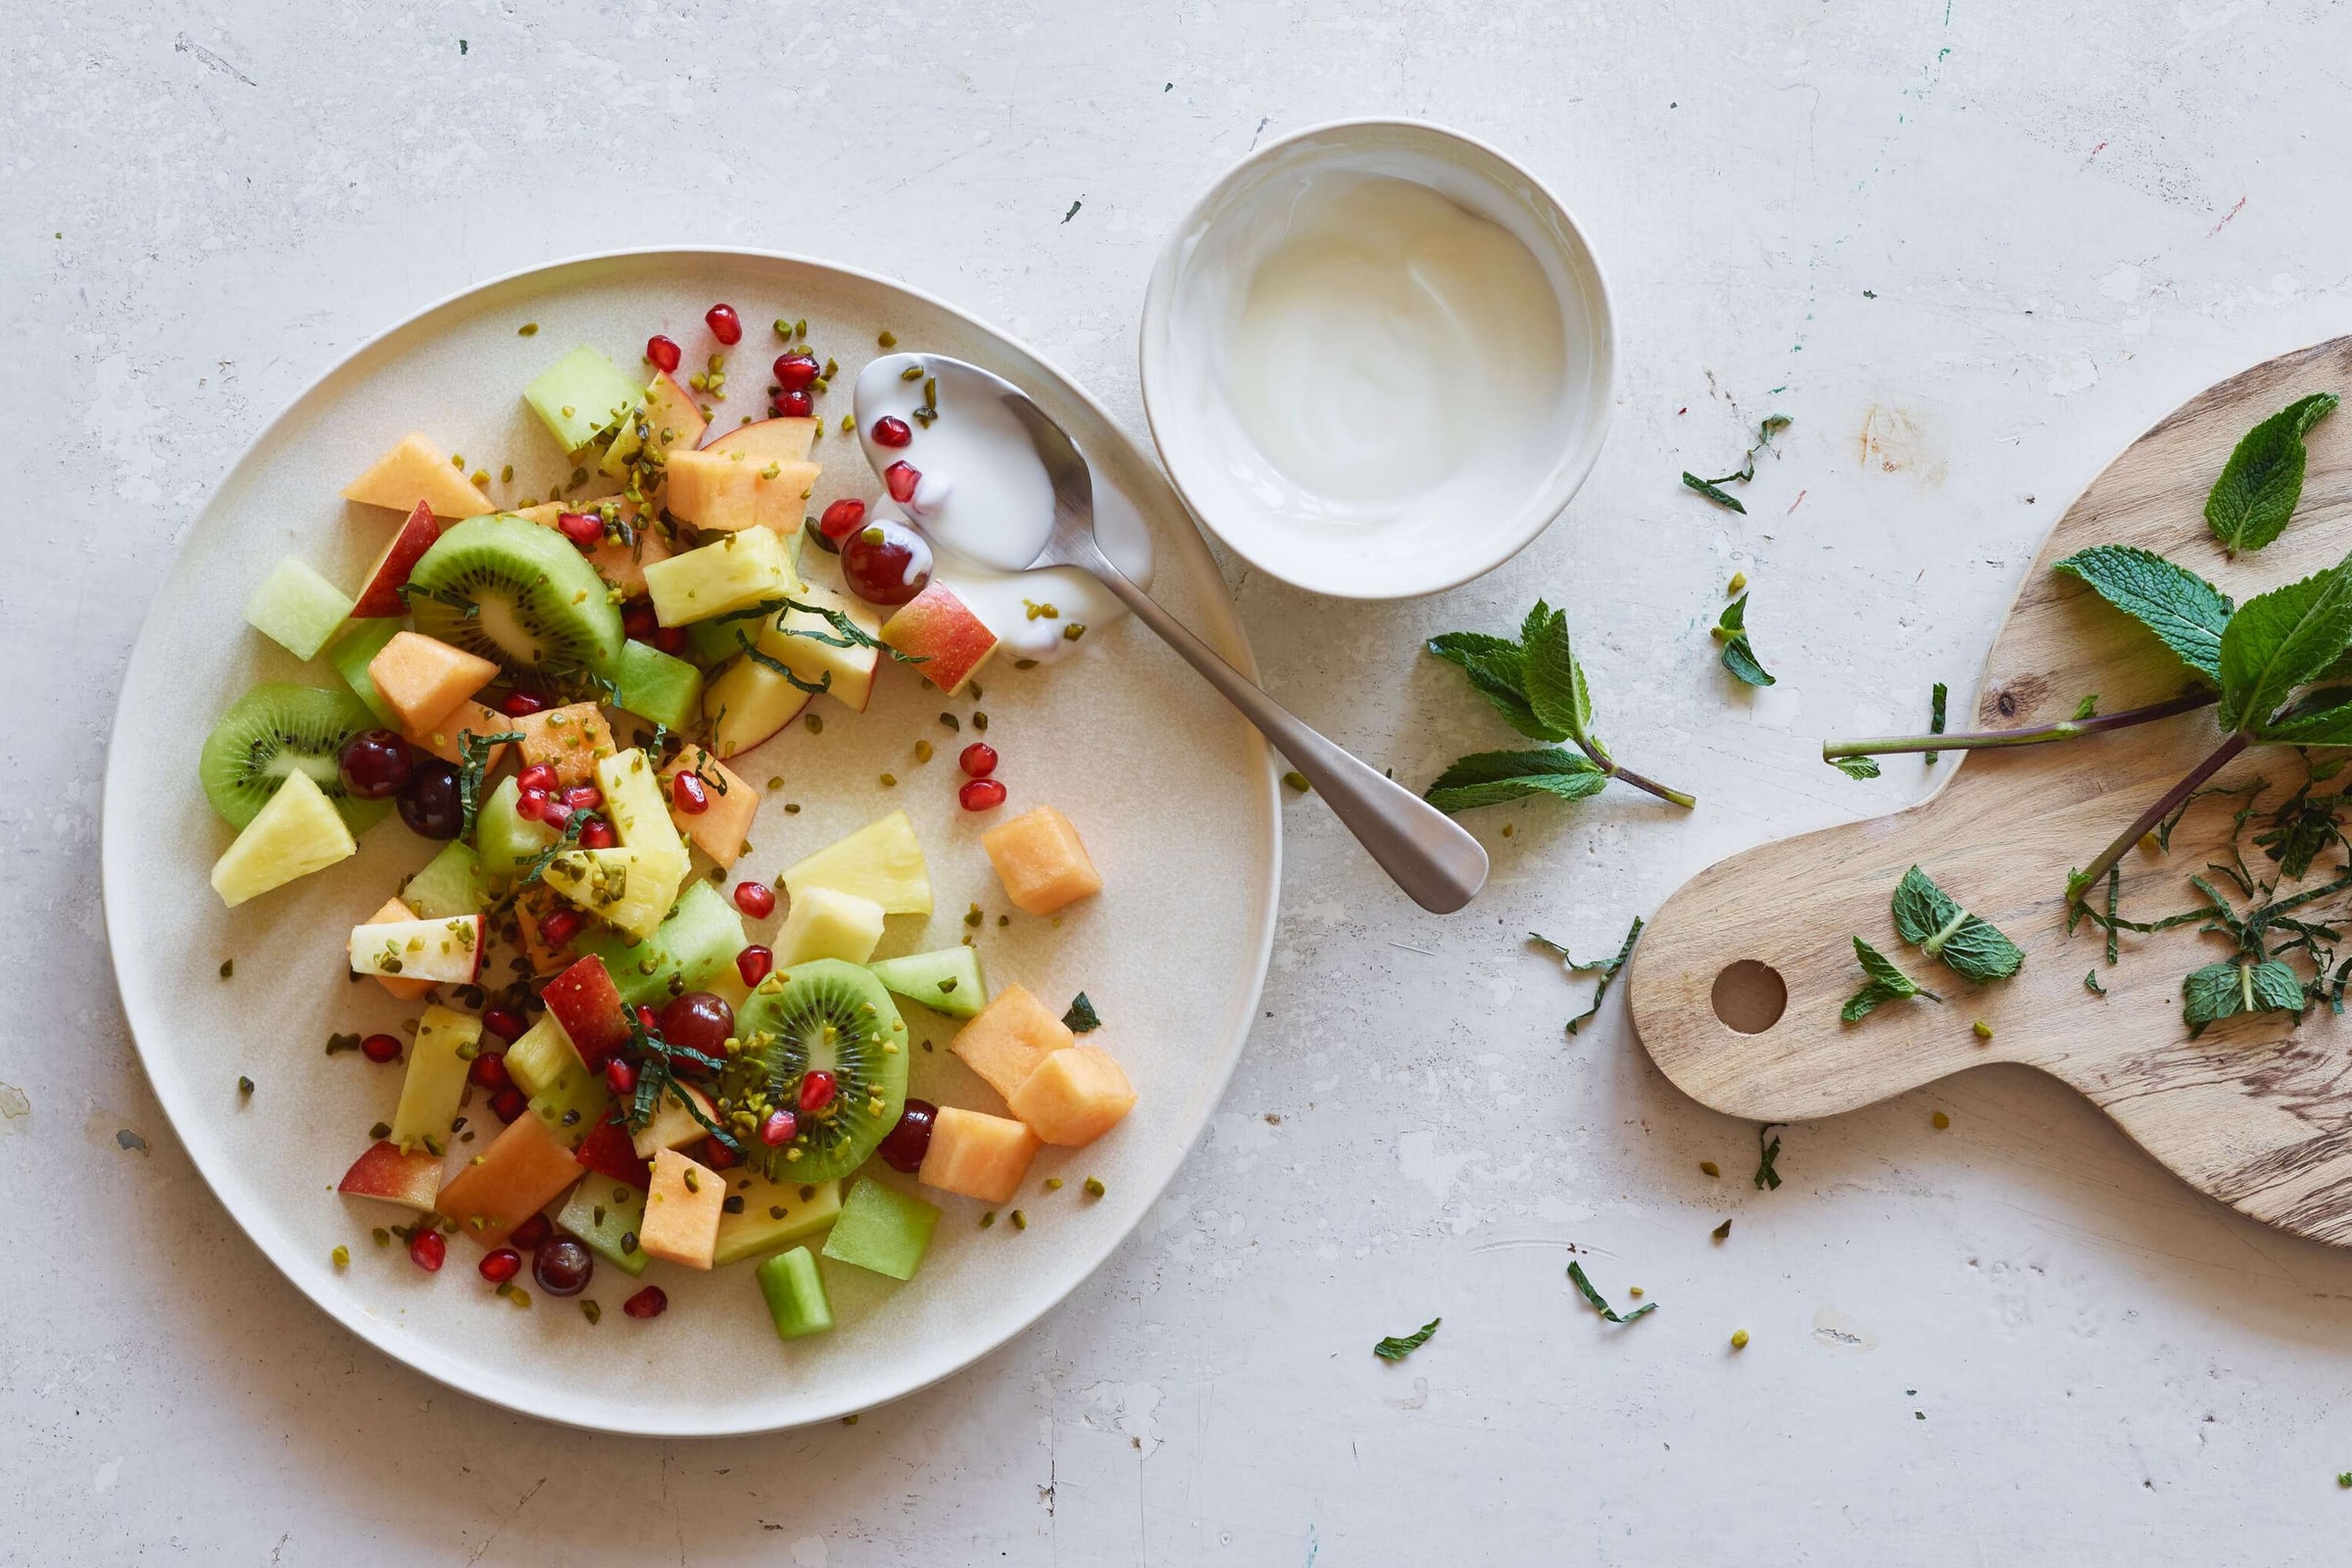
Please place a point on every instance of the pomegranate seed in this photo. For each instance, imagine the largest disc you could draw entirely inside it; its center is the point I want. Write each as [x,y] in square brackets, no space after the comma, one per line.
[902,476]
[530,1232]
[501,1266]
[755,899]
[488,1072]
[661,353]
[637,620]
[892,431]
[530,805]
[647,1017]
[753,962]
[521,705]
[598,835]
[816,1090]
[584,797]
[582,529]
[792,405]
[380,1048]
[538,776]
[717,1155]
[561,926]
[620,1076]
[687,794]
[509,1104]
[842,519]
[554,813]
[796,370]
[427,1251]
[981,795]
[978,759]
[651,1302]
[505,1022]
[726,325]
[670,639]
[778,1128]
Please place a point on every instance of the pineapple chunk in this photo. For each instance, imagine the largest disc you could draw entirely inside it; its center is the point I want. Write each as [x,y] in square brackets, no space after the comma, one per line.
[977,1155]
[542,1056]
[626,890]
[773,1215]
[682,1211]
[1010,1037]
[881,861]
[735,573]
[298,831]
[1075,1097]
[826,923]
[439,1061]
[633,801]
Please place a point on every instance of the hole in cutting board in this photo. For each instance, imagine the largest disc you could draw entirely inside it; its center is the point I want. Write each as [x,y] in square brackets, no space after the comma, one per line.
[1750,996]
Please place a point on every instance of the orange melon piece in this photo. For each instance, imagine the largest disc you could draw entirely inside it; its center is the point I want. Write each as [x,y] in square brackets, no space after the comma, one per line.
[977,1156]
[1075,1097]
[571,740]
[447,739]
[405,990]
[682,1210]
[417,471]
[422,679]
[1040,862]
[621,565]
[516,1176]
[726,492]
[723,830]
[1008,1038]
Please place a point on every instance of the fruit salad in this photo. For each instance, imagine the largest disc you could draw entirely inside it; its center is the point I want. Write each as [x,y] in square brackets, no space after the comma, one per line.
[613,1064]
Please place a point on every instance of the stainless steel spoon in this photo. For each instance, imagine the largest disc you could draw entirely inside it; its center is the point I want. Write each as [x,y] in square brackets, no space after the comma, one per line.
[1432,858]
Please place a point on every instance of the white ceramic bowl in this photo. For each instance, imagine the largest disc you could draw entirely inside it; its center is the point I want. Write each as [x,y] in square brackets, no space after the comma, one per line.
[1239,494]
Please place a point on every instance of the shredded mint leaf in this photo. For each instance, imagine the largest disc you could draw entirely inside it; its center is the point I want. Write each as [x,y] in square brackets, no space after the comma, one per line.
[1936,717]
[822,685]
[473,762]
[1489,778]
[2088,708]
[2324,718]
[1738,653]
[2301,828]
[2280,640]
[1608,969]
[1583,1286]
[1395,1348]
[1714,492]
[1772,424]
[1933,921]
[2090,983]
[2263,480]
[1766,1153]
[1884,981]
[1081,1019]
[2187,612]
[1856,767]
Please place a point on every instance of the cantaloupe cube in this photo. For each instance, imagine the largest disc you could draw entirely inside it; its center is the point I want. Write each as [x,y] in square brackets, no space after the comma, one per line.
[405,990]
[682,1211]
[621,565]
[723,830]
[516,1176]
[571,740]
[1075,1097]
[446,739]
[1040,862]
[417,471]
[977,1155]
[422,679]
[1013,1034]
[723,492]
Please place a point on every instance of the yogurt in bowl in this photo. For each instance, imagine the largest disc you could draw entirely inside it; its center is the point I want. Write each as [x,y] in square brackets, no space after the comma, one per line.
[1377,358]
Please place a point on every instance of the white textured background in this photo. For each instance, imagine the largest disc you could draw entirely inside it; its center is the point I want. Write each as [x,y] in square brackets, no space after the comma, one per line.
[1972,246]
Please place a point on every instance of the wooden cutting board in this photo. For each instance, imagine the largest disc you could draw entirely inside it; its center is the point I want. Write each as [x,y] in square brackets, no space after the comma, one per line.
[2257,1113]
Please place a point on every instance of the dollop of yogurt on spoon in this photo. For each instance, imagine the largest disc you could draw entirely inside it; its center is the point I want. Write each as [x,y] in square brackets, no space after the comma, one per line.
[985,504]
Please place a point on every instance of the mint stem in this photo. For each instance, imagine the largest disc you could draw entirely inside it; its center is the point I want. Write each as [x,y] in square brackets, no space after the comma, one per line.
[1608,766]
[2222,754]
[2036,735]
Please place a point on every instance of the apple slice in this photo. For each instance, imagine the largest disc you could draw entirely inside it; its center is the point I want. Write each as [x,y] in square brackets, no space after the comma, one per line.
[940,629]
[380,594]
[607,1151]
[587,1004]
[669,419]
[673,1126]
[448,953]
[418,472]
[746,703]
[409,1178]
[394,913]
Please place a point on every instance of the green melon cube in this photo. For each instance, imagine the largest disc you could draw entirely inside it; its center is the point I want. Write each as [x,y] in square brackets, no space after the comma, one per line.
[297,609]
[697,941]
[652,684]
[573,1104]
[795,1295]
[947,980]
[882,1228]
[354,651]
[507,841]
[581,396]
[449,885]
[607,1215]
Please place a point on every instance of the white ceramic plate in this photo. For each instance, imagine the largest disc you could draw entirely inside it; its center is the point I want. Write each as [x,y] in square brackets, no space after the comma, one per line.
[1174,793]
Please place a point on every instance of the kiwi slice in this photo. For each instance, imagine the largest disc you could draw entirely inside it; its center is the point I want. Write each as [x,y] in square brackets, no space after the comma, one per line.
[824,1014]
[273,730]
[518,594]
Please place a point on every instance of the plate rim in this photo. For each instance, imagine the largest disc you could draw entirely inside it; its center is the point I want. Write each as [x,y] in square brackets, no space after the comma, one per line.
[1225,632]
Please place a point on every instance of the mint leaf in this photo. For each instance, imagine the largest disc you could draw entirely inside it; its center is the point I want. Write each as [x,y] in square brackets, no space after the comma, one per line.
[1936,704]
[1608,969]
[2282,639]
[1496,670]
[1884,981]
[1738,655]
[1555,681]
[1856,767]
[2184,611]
[1081,1019]
[1713,492]
[1767,1175]
[2259,486]
[2320,717]
[1394,1349]
[1933,921]
[1583,1286]
[2090,983]
[1489,778]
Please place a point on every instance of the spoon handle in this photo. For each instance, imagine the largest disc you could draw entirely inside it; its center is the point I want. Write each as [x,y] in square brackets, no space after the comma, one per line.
[1429,855]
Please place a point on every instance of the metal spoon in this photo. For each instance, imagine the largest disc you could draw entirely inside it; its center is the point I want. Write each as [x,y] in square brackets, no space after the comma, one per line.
[1432,858]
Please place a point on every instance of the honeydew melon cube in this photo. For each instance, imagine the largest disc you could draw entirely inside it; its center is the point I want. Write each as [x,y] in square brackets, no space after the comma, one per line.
[734,573]
[881,861]
[297,609]
[826,923]
[607,1215]
[774,1214]
[296,832]
[580,396]
[882,1228]
[682,1211]
[656,686]
[542,1055]
[694,945]
[571,1103]
[948,980]
[350,654]
[625,889]
[795,1295]
[439,1058]
[452,884]
[977,1155]
[506,839]
[447,952]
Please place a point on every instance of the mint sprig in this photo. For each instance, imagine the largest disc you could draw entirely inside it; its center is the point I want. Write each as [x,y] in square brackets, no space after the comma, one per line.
[1884,981]
[1933,921]
[1738,653]
[2263,480]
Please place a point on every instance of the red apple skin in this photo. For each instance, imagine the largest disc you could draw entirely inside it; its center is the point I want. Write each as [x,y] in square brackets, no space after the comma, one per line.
[607,1151]
[386,1171]
[587,1004]
[936,626]
[380,596]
